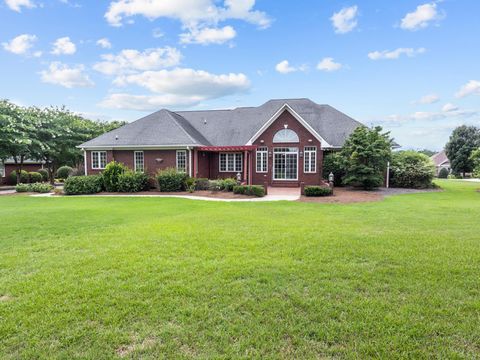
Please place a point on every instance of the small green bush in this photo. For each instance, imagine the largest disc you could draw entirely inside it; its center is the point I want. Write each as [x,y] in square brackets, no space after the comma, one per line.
[411,169]
[201,184]
[318,191]
[44,174]
[78,185]
[251,190]
[35,177]
[132,182]
[23,177]
[20,188]
[111,174]
[190,184]
[64,172]
[215,185]
[228,184]
[171,180]
[34,187]
[443,173]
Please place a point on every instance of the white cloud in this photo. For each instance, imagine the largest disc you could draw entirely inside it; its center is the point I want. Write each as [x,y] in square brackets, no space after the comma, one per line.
[395,54]
[64,46]
[21,44]
[16,5]
[327,64]
[449,107]
[345,20]
[177,87]
[207,35]
[428,99]
[63,75]
[284,67]
[187,82]
[104,43]
[129,60]
[189,12]
[421,17]
[472,87]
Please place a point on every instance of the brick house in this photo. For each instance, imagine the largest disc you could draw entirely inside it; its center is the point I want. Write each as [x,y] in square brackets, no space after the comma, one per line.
[8,166]
[280,143]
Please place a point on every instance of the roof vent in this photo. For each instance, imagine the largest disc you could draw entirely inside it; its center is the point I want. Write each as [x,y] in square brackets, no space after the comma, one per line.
[204,121]
[116,137]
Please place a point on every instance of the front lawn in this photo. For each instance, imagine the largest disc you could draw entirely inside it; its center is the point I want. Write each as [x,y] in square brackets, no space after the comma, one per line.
[94,277]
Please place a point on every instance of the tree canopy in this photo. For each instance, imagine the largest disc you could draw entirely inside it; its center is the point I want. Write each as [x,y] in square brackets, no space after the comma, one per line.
[463,141]
[50,135]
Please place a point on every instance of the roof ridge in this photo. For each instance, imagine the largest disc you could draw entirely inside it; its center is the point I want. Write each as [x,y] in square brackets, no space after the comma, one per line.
[170,113]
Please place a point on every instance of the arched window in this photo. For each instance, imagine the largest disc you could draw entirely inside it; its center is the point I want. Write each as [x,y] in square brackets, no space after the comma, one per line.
[286,136]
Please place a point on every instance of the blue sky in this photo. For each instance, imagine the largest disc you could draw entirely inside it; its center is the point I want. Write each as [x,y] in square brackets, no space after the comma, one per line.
[411,66]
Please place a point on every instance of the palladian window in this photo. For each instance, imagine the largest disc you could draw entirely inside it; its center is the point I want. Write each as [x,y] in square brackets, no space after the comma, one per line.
[286,136]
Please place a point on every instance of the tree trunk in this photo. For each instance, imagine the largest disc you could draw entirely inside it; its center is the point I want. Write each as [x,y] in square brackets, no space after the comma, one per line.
[18,168]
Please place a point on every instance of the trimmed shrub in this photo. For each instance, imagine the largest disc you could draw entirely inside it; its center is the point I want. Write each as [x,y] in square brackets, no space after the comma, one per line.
[35,177]
[190,184]
[318,191]
[228,184]
[334,163]
[201,184]
[64,172]
[171,180]
[77,185]
[111,174]
[132,182]
[411,169]
[443,173]
[23,177]
[35,187]
[44,174]
[215,185]
[22,188]
[251,190]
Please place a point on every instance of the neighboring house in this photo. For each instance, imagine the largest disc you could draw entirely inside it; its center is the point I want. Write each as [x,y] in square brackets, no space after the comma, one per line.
[279,143]
[441,162]
[9,166]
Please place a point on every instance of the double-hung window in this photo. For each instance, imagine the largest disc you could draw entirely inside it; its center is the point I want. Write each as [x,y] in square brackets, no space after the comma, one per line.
[99,159]
[182,160]
[139,161]
[310,159]
[262,159]
[231,162]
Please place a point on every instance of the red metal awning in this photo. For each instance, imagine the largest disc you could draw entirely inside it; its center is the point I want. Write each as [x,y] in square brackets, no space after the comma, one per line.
[227,148]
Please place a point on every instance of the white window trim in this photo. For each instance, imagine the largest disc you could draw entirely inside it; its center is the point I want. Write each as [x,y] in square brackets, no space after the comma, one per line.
[99,162]
[273,169]
[234,162]
[305,160]
[264,153]
[176,160]
[135,160]
[285,130]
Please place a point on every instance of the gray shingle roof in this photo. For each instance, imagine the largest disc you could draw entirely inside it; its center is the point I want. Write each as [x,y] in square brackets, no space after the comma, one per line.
[225,127]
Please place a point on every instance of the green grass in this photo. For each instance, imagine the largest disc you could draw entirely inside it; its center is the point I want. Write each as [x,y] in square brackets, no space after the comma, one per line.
[173,278]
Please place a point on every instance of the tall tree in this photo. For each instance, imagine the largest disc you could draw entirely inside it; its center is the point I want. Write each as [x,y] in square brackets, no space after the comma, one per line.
[463,141]
[366,153]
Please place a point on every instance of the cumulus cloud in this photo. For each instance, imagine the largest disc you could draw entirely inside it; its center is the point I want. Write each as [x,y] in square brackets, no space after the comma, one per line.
[284,67]
[63,75]
[191,13]
[472,87]
[395,54]
[176,87]
[423,16]
[64,46]
[328,64]
[449,107]
[16,5]
[104,43]
[207,35]
[345,20]
[428,99]
[129,60]
[21,44]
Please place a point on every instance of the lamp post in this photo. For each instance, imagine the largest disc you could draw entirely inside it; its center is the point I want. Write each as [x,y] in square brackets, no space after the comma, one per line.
[331,179]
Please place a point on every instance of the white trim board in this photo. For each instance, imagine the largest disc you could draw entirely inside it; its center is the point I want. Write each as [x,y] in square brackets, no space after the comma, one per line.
[323,142]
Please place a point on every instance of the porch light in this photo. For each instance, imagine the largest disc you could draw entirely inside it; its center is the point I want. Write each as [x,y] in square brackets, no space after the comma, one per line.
[301,153]
[310,140]
[262,141]
[159,160]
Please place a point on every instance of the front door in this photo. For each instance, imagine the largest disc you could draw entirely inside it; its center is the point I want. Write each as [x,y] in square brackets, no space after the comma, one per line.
[285,163]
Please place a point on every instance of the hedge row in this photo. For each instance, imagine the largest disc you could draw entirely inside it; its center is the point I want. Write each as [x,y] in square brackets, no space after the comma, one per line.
[318,191]
[34,187]
[29,177]
[252,190]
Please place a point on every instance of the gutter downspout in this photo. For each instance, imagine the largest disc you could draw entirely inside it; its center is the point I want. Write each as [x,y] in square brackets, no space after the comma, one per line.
[85,160]
[189,161]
